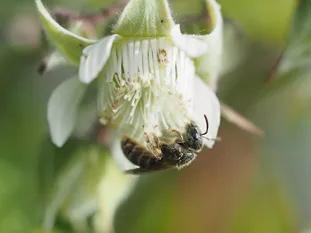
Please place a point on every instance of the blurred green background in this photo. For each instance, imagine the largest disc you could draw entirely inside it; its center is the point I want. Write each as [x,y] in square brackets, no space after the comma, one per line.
[246,184]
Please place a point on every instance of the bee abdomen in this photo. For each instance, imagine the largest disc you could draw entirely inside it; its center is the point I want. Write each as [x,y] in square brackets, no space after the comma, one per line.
[138,154]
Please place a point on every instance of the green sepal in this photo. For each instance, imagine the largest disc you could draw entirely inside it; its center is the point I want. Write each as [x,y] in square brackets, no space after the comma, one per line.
[208,66]
[212,9]
[68,43]
[146,18]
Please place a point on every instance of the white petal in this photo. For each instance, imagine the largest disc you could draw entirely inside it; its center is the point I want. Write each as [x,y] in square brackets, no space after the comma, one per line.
[94,58]
[188,43]
[205,102]
[62,109]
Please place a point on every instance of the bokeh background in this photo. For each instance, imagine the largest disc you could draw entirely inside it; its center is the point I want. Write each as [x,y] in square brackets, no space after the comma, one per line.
[246,184]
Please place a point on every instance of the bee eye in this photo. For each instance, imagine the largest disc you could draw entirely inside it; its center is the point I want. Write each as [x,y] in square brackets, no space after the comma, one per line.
[196,135]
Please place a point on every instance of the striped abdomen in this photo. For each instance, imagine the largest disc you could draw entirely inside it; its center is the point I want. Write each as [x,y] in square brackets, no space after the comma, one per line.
[139,155]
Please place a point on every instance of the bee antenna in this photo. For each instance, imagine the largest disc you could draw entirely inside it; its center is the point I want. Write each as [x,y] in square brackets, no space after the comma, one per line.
[206,125]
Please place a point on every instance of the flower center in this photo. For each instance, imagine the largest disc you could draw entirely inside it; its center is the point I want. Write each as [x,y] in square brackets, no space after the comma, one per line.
[146,83]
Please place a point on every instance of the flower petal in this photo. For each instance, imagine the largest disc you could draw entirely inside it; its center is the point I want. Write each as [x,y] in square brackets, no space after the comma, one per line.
[192,46]
[205,102]
[62,109]
[70,44]
[94,58]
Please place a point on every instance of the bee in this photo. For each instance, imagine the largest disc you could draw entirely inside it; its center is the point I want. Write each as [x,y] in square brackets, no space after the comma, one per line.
[160,155]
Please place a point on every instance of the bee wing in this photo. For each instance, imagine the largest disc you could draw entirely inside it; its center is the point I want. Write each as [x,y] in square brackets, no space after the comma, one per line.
[142,171]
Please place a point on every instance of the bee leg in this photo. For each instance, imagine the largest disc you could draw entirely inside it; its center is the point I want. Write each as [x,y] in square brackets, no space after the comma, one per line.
[156,140]
[178,134]
[153,147]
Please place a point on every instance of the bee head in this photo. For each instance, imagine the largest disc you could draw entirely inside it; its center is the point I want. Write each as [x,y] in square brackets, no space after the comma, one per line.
[194,137]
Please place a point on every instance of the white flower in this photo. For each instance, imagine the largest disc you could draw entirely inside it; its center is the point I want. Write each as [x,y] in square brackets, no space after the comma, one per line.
[146,73]
[141,83]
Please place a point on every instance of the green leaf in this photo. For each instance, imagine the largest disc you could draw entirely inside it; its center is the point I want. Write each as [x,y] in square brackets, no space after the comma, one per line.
[70,44]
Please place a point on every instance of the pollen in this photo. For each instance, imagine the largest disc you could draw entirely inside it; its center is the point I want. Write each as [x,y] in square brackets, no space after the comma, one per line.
[162,57]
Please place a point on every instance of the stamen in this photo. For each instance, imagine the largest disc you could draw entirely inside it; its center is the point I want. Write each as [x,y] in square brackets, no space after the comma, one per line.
[150,80]
[131,56]
[145,58]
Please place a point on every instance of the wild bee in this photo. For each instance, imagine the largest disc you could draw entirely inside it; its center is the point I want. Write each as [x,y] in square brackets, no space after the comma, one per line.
[173,155]
[161,155]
